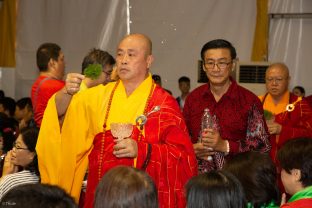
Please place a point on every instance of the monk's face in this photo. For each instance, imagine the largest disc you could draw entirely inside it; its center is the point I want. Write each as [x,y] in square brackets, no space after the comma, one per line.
[133,58]
[277,80]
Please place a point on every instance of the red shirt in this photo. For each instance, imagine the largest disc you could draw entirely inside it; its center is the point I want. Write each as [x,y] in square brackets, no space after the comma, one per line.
[40,96]
[301,203]
[239,113]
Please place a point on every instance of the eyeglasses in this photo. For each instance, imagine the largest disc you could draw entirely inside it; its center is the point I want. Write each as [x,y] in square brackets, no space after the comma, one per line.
[17,147]
[220,65]
[107,73]
[276,79]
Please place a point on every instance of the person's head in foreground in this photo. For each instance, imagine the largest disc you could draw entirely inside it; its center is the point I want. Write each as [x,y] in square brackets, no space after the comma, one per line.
[258,176]
[125,186]
[24,150]
[295,160]
[37,196]
[215,189]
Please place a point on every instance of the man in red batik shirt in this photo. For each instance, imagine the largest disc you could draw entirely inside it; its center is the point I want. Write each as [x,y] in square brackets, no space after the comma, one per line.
[240,124]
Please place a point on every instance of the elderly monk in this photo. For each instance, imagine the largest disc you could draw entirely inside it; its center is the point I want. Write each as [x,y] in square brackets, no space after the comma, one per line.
[158,144]
[292,116]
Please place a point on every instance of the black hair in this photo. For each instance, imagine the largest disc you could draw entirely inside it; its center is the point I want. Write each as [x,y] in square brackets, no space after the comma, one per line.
[9,104]
[8,130]
[29,137]
[37,196]
[2,94]
[297,154]
[24,102]
[215,189]
[260,181]
[156,77]
[184,79]
[218,43]
[45,52]
[300,88]
[125,186]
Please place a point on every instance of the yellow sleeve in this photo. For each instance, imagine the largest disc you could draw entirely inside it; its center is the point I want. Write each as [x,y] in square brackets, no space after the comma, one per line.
[49,141]
[63,153]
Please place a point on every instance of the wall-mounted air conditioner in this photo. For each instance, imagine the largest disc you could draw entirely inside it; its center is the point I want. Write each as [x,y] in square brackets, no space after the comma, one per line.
[251,75]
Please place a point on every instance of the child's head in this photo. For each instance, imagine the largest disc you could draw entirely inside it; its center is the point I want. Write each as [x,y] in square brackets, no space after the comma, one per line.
[295,159]
[184,84]
[215,189]
[258,176]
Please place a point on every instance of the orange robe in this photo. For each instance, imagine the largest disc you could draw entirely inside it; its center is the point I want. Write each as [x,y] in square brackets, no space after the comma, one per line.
[297,123]
[172,160]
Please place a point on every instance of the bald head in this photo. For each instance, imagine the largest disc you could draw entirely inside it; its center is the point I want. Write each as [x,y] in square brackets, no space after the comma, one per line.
[280,67]
[277,80]
[134,58]
[146,43]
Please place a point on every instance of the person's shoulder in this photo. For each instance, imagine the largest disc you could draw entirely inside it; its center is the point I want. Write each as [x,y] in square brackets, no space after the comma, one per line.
[54,81]
[246,93]
[198,91]
[51,84]
[37,81]
[162,96]
[308,98]
[301,203]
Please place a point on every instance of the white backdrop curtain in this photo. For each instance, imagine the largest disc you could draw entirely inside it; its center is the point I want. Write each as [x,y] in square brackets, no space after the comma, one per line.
[178,29]
[76,25]
[290,40]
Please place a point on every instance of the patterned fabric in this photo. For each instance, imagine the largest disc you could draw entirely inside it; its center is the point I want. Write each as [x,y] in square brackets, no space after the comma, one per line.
[40,96]
[10,181]
[297,123]
[63,158]
[240,117]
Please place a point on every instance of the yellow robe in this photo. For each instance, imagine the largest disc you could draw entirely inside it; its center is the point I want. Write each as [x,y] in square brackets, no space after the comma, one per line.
[63,153]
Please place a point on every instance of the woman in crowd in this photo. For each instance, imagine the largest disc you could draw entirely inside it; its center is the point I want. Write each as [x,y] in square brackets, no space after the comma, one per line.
[125,186]
[295,159]
[257,174]
[215,189]
[21,164]
[8,134]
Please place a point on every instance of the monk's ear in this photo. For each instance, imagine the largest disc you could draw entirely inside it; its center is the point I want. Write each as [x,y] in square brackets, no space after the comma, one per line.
[150,59]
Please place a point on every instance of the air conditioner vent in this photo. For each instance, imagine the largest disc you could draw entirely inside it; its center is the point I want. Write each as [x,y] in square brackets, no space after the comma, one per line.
[252,74]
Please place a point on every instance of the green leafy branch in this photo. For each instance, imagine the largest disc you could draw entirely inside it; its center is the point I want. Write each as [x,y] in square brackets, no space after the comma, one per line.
[93,71]
[268,115]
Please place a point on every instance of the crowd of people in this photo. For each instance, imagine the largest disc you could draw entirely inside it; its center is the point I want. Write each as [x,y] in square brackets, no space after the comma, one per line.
[114,128]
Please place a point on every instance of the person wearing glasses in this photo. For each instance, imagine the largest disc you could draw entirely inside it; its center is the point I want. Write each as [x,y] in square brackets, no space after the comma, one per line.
[239,124]
[21,164]
[292,115]
[106,60]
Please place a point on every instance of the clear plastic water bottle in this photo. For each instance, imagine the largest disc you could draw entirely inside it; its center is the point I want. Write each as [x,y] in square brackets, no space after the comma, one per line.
[207,121]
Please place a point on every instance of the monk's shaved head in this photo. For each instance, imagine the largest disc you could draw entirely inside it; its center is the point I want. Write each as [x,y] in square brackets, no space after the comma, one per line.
[143,39]
[277,80]
[279,66]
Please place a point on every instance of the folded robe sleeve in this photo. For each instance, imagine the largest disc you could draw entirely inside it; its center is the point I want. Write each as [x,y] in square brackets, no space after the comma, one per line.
[63,153]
